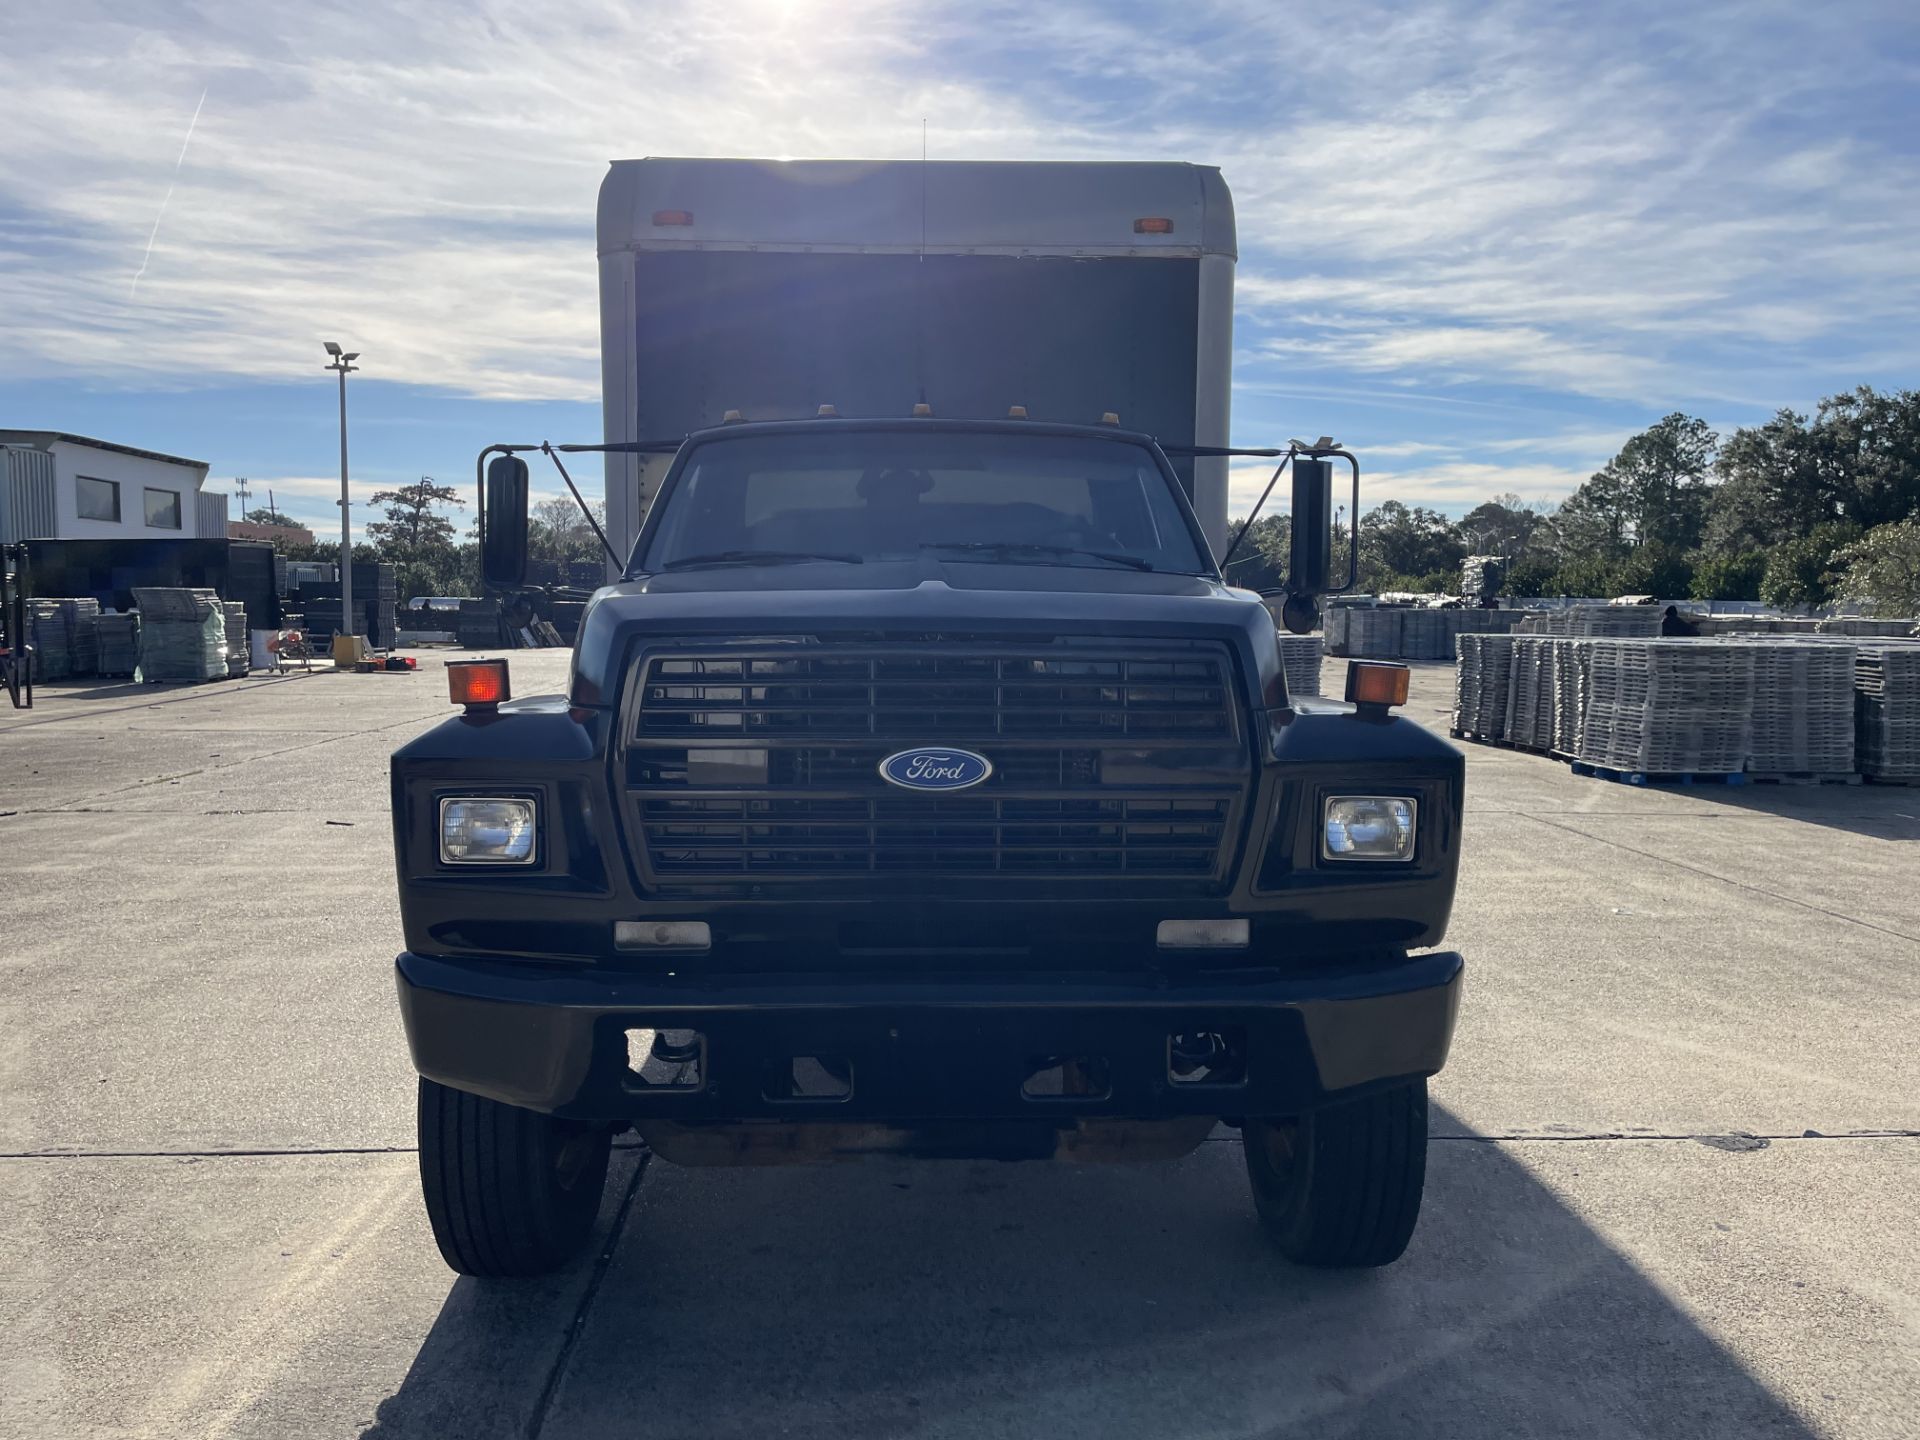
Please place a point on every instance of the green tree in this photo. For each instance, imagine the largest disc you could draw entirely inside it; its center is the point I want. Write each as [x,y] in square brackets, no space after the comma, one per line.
[1261,561]
[1654,491]
[413,523]
[1724,575]
[1881,570]
[1805,571]
[1857,460]
[268,515]
[558,535]
[1398,543]
[1504,525]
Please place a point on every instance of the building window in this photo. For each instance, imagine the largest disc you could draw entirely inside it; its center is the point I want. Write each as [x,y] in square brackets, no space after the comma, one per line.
[163,509]
[96,499]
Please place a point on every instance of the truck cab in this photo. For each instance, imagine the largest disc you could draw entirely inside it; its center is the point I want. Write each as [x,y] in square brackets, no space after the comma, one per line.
[920,788]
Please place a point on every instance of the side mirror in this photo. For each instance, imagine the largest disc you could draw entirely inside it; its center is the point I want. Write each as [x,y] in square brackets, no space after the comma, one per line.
[503,554]
[1311,557]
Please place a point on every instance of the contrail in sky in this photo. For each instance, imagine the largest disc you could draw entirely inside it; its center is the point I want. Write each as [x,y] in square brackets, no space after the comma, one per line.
[135,283]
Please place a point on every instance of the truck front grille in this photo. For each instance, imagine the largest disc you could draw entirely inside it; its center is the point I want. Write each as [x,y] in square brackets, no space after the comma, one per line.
[958,697]
[1120,762]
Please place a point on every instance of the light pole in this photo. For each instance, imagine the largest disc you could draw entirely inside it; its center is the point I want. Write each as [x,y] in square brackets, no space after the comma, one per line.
[343,363]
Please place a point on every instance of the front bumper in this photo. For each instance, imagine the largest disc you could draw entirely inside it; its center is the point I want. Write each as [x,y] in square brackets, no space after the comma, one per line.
[931,1047]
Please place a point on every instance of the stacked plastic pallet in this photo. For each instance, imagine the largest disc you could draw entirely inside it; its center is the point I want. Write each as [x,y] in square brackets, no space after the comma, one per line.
[1668,707]
[47,633]
[116,640]
[1569,691]
[61,632]
[1857,625]
[1803,707]
[1428,634]
[1375,631]
[183,634]
[233,616]
[1529,719]
[1887,686]
[1481,684]
[1300,659]
[478,625]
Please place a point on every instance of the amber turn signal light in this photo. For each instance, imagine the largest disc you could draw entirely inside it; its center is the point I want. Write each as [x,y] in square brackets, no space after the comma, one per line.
[1370,682]
[477,684]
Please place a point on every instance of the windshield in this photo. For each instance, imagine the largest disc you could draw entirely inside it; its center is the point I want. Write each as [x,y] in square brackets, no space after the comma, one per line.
[881,495]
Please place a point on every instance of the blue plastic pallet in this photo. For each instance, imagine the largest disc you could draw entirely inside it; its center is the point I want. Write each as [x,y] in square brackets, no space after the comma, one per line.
[1649,777]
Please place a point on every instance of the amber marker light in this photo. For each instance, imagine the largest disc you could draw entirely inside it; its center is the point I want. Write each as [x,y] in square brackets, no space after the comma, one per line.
[478,684]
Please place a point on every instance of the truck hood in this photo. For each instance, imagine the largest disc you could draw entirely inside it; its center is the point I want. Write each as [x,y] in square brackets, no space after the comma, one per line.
[919,598]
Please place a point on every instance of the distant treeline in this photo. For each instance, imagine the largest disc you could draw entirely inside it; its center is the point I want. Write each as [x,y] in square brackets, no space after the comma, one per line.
[1803,510]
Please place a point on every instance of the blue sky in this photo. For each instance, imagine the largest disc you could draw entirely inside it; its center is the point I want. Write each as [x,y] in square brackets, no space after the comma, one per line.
[1481,243]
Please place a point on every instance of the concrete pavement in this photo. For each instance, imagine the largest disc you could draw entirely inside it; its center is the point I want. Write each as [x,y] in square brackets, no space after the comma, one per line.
[210,1223]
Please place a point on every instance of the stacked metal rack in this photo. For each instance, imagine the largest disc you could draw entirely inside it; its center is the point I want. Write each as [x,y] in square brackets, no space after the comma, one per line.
[1481,685]
[1887,693]
[1667,707]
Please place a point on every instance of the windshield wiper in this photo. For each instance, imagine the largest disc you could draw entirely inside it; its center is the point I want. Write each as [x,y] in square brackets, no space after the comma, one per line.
[1025,547]
[760,557]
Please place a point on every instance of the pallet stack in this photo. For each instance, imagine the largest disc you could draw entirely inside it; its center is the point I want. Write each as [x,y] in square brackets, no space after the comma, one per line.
[1887,696]
[1376,631]
[1300,659]
[1529,718]
[1803,708]
[116,639]
[183,634]
[1481,685]
[1667,707]
[1569,692]
[233,615]
[478,624]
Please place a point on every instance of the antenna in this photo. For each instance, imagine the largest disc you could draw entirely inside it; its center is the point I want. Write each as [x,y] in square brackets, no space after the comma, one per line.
[241,489]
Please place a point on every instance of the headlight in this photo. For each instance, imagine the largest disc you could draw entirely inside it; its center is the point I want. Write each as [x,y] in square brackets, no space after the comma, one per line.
[1368,827]
[486,830]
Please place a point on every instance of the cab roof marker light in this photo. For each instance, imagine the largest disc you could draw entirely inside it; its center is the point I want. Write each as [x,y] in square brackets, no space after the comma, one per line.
[480,685]
[922,410]
[1150,225]
[733,417]
[1110,417]
[1016,412]
[825,412]
[673,217]
[1376,685]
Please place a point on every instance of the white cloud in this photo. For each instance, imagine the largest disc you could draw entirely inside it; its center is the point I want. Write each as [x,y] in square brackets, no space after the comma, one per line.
[1439,197]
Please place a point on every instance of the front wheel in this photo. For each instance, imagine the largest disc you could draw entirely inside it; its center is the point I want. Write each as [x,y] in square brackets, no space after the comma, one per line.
[1341,1186]
[508,1191]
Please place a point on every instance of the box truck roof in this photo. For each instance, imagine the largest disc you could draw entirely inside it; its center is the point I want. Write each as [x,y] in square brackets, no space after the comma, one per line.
[977,207]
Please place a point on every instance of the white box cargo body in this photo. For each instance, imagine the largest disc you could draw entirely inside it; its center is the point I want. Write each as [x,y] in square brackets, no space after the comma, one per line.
[773,288]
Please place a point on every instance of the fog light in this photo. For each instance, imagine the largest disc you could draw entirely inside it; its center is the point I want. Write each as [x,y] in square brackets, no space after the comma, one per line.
[486,830]
[662,935]
[1203,934]
[1368,827]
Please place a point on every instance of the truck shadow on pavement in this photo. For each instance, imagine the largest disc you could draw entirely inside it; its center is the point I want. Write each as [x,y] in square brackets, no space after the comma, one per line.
[891,1298]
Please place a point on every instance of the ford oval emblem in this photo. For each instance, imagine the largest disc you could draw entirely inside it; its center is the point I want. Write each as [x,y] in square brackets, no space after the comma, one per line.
[933,767]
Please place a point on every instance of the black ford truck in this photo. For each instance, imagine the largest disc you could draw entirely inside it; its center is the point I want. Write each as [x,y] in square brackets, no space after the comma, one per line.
[921,788]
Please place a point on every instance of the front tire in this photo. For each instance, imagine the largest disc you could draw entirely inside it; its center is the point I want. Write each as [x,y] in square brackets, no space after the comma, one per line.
[508,1191]
[1340,1187]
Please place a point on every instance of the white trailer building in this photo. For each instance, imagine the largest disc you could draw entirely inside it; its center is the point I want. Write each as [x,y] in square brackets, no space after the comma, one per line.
[56,486]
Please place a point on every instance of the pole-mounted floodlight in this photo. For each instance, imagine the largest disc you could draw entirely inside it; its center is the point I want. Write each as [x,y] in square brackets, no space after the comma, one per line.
[343,364]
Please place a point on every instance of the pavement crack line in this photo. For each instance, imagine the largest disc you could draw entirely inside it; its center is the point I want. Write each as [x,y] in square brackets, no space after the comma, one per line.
[1723,879]
[537,1420]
